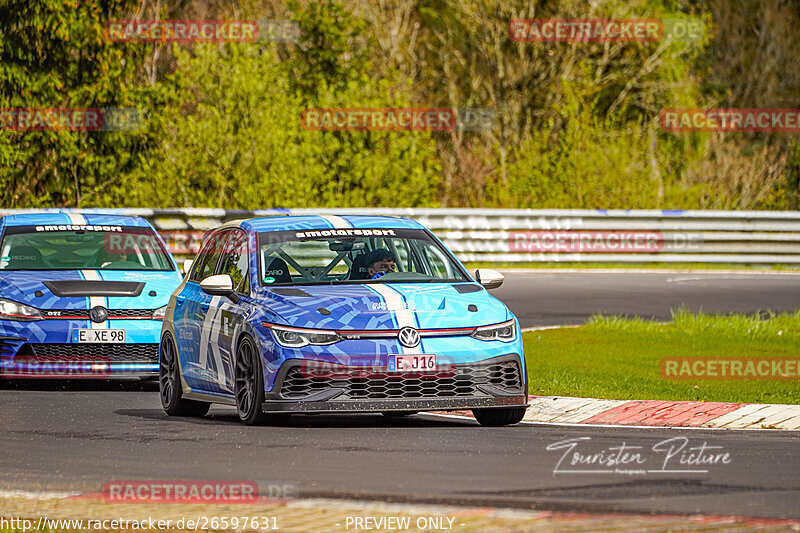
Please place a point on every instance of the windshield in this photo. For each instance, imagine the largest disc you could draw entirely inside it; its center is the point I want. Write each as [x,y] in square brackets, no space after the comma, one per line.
[85,248]
[354,256]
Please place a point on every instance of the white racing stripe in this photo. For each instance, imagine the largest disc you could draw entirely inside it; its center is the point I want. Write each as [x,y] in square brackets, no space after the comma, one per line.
[92,275]
[338,222]
[77,220]
[94,301]
[209,335]
[404,317]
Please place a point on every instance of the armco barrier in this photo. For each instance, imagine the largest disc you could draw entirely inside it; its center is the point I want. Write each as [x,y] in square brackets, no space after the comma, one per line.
[546,235]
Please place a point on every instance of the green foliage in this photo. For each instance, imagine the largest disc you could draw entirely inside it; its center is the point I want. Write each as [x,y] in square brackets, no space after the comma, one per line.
[576,124]
[790,188]
[53,54]
[589,164]
[332,51]
[617,357]
[781,327]
[238,142]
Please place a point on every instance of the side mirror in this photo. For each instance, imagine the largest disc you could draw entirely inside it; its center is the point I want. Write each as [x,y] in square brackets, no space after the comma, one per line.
[219,285]
[490,279]
[187,266]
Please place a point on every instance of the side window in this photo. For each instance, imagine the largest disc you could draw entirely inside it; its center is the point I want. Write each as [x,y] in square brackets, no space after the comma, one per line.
[437,262]
[235,261]
[208,257]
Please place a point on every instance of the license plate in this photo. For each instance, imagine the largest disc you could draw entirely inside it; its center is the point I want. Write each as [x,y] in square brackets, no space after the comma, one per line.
[98,336]
[412,363]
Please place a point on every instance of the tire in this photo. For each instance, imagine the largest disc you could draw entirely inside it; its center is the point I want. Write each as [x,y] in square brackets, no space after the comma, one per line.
[169,384]
[398,414]
[249,387]
[502,416]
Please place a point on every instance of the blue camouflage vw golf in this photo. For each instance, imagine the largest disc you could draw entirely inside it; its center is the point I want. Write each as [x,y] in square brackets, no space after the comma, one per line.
[82,295]
[313,314]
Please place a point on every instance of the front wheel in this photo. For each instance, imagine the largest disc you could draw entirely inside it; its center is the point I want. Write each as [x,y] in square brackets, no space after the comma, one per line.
[169,384]
[503,416]
[249,387]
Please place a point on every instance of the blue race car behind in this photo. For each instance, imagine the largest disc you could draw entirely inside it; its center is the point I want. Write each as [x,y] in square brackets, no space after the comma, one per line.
[313,314]
[81,295]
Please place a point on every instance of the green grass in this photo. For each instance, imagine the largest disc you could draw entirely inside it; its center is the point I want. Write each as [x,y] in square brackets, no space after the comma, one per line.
[618,358]
[670,266]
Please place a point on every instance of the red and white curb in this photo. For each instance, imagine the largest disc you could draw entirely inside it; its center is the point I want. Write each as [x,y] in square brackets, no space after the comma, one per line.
[656,413]
[663,413]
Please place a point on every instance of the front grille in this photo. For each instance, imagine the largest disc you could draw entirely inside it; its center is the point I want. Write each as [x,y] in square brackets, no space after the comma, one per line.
[84,313]
[360,383]
[114,313]
[110,353]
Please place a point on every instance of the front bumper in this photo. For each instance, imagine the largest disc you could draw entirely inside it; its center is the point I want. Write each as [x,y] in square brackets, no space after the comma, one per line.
[43,349]
[75,370]
[80,361]
[377,406]
[495,382]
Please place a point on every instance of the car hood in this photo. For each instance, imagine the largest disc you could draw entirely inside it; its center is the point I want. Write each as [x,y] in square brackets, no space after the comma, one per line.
[375,307]
[23,286]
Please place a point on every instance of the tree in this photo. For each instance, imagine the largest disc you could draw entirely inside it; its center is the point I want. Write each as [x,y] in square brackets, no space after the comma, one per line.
[53,54]
[235,139]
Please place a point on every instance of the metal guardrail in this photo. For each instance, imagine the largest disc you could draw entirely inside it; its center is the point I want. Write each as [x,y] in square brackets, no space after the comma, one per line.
[545,235]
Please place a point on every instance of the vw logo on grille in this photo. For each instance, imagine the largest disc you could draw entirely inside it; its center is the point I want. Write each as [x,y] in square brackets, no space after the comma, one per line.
[98,314]
[409,337]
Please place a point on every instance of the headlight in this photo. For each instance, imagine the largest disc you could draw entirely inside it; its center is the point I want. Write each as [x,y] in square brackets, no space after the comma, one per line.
[299,337]
[11,310]
[160,313]
[506,332]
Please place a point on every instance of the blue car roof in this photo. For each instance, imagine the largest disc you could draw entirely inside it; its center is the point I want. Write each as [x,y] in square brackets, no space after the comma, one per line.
[91,219]
[304,222]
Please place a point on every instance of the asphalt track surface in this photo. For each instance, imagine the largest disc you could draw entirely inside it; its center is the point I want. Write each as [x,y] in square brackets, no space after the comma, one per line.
[546,297]
[78,436]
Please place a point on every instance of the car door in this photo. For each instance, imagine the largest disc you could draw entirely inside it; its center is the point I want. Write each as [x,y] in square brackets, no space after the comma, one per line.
[228,316]
[192,320]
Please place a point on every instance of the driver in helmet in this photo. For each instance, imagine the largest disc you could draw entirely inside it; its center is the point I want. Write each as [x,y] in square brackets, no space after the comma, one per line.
[380,263]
